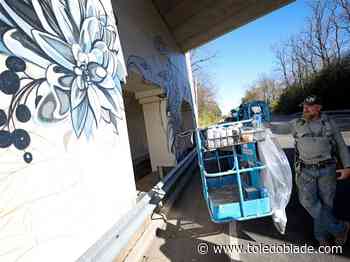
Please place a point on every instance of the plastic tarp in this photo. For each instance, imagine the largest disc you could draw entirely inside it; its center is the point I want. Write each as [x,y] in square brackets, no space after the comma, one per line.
[277,178]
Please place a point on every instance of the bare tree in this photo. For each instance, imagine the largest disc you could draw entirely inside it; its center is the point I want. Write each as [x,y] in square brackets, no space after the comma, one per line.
[338,42]
[282,63]
[344,14]
[200,61]
[208,108]
[320,27]
[266,88]
[323,41]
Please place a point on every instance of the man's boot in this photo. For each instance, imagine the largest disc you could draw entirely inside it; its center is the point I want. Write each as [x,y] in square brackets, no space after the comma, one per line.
[341,239]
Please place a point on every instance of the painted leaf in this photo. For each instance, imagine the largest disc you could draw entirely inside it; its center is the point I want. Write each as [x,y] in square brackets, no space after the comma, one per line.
[79,115]
[21,46]
[54,47]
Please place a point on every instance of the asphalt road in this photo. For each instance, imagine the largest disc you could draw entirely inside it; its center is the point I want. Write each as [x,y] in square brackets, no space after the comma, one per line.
[188,228]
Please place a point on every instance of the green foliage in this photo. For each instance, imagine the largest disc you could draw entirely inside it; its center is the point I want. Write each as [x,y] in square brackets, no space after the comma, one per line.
[266,89]
[331,84]
[274,105]
[208,109]
[209,116]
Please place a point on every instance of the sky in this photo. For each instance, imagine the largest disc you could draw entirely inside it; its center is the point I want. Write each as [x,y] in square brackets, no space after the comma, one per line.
[246,53]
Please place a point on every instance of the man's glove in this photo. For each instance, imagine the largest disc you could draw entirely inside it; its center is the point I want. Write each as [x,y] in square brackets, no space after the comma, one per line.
[343,173]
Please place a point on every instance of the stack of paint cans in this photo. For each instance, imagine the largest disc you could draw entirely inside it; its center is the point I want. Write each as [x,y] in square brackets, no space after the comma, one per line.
[222,136]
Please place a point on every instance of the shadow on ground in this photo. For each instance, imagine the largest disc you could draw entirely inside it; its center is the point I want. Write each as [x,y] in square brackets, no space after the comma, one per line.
[299,229]
[188,227]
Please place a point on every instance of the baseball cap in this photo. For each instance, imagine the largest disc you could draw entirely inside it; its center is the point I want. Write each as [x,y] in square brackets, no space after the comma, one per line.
[312,100]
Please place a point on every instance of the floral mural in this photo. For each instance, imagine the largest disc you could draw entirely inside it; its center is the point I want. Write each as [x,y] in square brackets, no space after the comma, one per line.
[75,49]
[172,76]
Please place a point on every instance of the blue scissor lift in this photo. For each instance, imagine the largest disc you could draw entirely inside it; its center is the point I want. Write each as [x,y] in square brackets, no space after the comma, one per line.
[231,172]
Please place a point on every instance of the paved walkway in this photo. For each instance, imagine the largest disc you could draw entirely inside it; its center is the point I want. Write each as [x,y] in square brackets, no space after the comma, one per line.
[188,226]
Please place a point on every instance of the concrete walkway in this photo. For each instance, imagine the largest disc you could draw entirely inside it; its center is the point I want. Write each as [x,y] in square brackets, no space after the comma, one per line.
[188,225]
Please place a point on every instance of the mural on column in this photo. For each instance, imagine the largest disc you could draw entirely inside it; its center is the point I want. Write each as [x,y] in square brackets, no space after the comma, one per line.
[173,78]
[75,49]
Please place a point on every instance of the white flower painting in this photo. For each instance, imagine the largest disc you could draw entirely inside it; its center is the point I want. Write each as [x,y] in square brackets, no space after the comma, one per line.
[77,46]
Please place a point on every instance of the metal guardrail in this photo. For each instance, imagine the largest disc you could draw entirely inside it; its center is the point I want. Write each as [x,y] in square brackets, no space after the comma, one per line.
[118,237]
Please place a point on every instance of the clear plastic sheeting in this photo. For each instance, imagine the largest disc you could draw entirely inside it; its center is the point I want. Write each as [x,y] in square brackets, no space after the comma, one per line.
[277,178]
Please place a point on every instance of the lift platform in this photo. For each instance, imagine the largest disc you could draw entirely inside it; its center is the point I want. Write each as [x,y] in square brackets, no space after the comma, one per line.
[231,171]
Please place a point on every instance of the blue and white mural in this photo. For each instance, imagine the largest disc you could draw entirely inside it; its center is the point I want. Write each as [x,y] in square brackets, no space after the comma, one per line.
[168,72]
[75,49]
[61,77]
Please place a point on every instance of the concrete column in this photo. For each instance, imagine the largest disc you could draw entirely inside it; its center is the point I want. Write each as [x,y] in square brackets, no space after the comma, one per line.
[154,111]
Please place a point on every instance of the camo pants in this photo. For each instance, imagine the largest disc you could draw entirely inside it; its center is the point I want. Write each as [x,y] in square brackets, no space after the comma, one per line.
[316,191]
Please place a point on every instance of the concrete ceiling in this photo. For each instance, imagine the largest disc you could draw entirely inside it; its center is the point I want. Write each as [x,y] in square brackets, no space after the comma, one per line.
[196,22]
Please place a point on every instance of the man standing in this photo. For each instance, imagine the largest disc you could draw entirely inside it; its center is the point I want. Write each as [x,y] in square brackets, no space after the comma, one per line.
[318,145]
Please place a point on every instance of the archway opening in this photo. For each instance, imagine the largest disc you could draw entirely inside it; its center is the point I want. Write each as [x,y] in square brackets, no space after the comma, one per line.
[145,109]
[185,139]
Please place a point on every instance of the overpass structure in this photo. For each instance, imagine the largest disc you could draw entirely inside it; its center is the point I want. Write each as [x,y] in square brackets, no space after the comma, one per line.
[97,107]
[196,22]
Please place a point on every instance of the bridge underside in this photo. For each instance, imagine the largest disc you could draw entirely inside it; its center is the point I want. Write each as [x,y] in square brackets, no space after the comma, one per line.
[196,22]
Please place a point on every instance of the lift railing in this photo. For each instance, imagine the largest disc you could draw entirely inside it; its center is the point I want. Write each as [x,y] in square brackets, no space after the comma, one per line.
[231,174]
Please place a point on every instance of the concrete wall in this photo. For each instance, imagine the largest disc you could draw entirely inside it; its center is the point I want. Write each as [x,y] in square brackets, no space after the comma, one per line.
[80,180]
[66,172]
[151,52]
[184,141]
[136,127]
